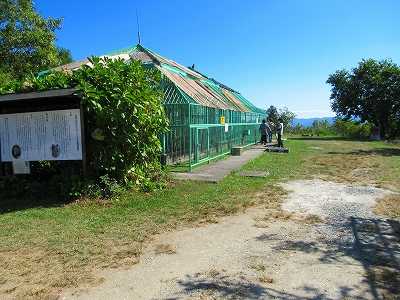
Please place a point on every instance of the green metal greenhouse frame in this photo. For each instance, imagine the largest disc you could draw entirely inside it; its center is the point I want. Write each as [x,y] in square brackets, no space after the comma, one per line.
[196,133]
[206,117]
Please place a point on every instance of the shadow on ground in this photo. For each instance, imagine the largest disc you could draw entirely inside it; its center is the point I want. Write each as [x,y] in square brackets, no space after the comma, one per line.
[223,286]
[50,184]
[374,243]
[8,205]
[229,288]
[377,151]
[322,138]
[21,195]
[377,247]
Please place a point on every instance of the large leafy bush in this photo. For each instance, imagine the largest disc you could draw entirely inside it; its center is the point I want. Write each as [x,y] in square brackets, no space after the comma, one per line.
[124,116]
[353,129]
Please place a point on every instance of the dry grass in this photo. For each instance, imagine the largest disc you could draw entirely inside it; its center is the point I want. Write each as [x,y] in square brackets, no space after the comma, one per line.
[37,274]
[270,197]
[265,279]
[389,206]
[164,249]
[258,267]
[261,269]
[311,219]
[346,168]
[368,163]
[213,273]
[261,224]
[279,214]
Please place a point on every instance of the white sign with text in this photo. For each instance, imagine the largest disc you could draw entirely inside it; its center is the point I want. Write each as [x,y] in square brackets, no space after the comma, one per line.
[44,135]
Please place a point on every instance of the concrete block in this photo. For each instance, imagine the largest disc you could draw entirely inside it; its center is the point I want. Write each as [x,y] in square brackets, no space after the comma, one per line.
[237,151]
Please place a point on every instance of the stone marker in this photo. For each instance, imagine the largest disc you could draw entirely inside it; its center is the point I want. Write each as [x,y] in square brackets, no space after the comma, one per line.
[277,149]
[254,173]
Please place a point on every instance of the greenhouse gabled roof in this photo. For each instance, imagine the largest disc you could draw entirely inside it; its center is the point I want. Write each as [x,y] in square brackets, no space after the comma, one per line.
[201,89]
[193,86]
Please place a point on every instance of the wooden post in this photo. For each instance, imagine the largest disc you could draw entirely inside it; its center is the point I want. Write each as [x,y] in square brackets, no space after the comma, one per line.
[83,138]
[2,167]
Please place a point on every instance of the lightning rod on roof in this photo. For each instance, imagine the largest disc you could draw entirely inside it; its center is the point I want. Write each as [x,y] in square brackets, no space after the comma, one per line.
[138,28]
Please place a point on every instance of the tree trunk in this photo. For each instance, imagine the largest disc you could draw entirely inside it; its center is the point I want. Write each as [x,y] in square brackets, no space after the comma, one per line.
[382,130]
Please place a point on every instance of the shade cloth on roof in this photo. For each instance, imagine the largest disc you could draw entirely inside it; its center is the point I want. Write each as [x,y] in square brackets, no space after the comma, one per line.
[204,91]
[196,86]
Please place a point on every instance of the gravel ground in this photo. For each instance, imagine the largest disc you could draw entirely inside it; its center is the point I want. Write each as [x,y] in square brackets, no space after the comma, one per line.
[336,203]
[251,256]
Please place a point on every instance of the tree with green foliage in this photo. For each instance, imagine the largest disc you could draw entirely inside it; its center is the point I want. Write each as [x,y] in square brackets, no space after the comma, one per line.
[286,116]
[272,114]
[369,92]
[27,40]
[322,127]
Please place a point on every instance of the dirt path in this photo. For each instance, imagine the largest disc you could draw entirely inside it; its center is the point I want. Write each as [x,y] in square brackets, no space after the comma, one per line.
[251,256]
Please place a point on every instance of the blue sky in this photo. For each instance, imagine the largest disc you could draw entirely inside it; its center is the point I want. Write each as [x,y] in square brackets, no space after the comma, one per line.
[277,52]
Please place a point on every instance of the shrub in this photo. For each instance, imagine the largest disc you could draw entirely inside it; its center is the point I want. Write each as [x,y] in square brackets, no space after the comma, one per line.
[122,103]
[353,129]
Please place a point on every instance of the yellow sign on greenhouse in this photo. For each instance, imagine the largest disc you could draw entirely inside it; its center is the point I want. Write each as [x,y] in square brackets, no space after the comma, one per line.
[222,120]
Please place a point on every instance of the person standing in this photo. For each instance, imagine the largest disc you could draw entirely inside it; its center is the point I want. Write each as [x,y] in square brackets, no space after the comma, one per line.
[279,131]
[263,131]
[269,131]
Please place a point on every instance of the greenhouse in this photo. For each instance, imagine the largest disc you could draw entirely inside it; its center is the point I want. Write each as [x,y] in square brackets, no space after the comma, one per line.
[207,118]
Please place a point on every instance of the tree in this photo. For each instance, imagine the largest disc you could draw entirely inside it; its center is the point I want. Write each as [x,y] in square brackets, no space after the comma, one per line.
[27,40]
[64,56]
[272,114]
[370,92]
[286,116]
[321,127]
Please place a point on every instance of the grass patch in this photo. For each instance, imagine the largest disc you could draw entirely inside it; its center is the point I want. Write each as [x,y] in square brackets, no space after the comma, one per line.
[45,249]
[374,163]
